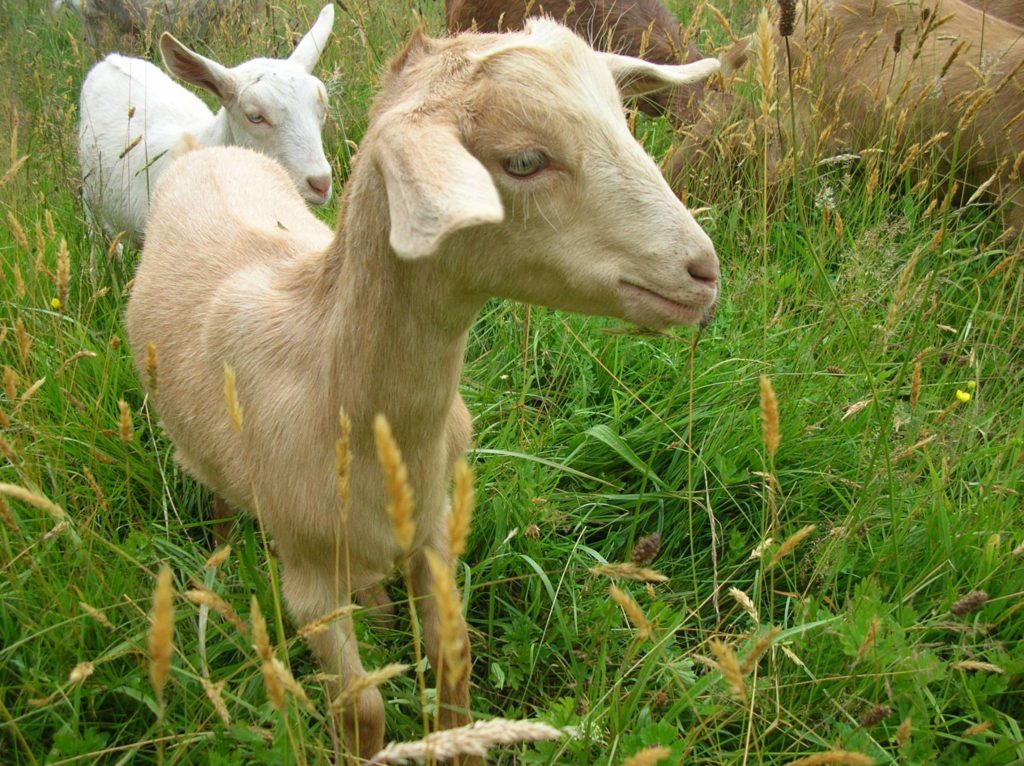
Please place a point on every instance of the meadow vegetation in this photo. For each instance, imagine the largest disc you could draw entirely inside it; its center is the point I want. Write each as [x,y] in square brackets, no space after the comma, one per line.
[833,470]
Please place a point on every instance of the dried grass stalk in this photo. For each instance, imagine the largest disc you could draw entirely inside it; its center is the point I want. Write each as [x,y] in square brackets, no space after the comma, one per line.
[462,509]
[231,397]
[211,600]
[744,601]
[474,739]
[370,680]
[319,625]
[769,417]
[792,542]
[396,474]
[633,612]
[840,757]
[31,498]
[161,634]
[454,651]
[628,571]
[648,756]
[760,647]
[729,667]
[213,691]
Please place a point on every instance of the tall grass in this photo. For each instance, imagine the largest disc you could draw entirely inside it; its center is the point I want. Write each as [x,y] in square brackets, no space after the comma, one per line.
[858,536]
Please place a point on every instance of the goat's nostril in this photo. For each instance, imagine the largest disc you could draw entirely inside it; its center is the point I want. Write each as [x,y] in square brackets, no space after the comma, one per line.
[703,270]
[320,184]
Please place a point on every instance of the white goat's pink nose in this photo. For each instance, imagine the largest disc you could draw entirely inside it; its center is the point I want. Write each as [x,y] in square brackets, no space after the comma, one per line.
[320,184]
[703,268]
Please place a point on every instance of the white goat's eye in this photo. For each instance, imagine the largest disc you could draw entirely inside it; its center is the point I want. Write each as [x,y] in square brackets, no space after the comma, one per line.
[525,164]
[256,119]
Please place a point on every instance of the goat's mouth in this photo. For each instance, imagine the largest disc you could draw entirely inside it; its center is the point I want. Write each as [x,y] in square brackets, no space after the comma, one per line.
[650,308]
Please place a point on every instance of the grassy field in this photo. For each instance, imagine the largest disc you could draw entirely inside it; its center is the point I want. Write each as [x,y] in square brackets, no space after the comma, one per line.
[846,559]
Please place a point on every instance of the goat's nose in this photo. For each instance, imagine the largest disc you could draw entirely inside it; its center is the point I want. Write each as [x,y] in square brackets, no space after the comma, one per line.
[320,184]
[703,268]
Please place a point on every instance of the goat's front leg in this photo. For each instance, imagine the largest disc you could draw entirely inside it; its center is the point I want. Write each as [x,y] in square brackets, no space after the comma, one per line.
[311,594]
[453,683]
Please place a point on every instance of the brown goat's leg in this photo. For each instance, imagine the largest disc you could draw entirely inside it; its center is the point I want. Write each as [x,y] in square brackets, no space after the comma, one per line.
[453,693]
[310,594]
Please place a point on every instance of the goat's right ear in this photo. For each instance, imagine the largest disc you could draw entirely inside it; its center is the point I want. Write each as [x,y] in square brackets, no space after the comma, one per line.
[434,185]
[198,70]
[635,76]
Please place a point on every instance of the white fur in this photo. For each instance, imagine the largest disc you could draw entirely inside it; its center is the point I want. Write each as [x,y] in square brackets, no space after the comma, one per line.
[125,100]
[373,318]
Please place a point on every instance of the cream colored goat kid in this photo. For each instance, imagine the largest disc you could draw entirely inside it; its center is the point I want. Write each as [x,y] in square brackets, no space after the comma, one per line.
[493,165]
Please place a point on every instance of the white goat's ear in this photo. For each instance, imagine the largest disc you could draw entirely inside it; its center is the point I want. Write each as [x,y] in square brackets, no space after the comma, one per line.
[635,76]
[435,186]
[308,51]
[198,70]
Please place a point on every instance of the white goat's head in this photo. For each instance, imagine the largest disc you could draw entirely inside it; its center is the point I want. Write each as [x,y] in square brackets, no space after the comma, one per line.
[275,106]
[515,149]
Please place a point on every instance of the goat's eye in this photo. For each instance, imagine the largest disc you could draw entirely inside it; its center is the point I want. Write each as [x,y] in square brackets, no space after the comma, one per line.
[256,119]
[525,164]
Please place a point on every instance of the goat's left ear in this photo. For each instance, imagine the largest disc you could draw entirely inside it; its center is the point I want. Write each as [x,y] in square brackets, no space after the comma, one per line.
[435,186]
[635,76]
[308,51]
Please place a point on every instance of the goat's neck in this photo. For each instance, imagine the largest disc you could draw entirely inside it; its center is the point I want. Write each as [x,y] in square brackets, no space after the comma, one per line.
[400,326]
[218,131]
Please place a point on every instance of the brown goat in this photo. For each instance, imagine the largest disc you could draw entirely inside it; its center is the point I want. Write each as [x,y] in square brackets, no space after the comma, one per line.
[641,28]
[1011,11]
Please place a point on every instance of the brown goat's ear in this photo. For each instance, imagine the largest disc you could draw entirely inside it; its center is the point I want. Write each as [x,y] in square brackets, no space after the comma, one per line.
[636,76]
[435,186]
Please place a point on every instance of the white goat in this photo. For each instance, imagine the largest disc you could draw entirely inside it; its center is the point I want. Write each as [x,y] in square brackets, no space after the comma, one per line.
[493,165]
[133,118]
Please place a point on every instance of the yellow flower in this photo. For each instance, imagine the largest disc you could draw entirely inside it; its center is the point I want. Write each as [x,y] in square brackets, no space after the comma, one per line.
[55,303]
[963,396]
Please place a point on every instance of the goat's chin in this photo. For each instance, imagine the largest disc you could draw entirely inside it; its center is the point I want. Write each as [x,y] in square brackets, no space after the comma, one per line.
[655,311]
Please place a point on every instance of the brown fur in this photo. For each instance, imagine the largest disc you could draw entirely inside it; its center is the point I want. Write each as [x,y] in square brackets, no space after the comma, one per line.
[1011,11]
[374,318]
[641,28]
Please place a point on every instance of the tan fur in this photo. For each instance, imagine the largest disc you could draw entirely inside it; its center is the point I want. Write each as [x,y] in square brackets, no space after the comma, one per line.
[374,318]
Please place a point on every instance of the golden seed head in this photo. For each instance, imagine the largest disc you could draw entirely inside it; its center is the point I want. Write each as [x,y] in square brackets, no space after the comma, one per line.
[63,273]
[869,639]
[759,648]
[633,612]
[272,683]
[769,417]
[903,732]
[97,615]
[10,383]
[792,542]
[400,503]
[836,757]
[33,499]
[474,739]
[343,461]
[765,47]
[161,633]
[19,282]
[18,232]
[729,666]
[915,385]
[24,341]
[357,684]
[746,603]
[80,672]
[261,640]
[231,397]
[628,571]
[214,693]
[51,230]
[454,650]
[976,729]
[209,599]
[124,421]
[462,509]
[649,756]
[151,367]
[320,624]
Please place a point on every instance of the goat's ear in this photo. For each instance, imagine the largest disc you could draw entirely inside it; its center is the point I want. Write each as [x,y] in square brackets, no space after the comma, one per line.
[635,76]
[435,186]
[198,70]
[308,51]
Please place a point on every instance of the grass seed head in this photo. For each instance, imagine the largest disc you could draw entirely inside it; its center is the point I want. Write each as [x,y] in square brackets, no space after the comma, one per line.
[970,603]
[769,417]
[10,384]
[869,639]
[209,599]
[35,500]
[260,637]
[24,341]
[449,607]
[17,232]
[320,624]
[63,278]
[400,507]
[161,633]
[757,651]
[124,421]
[984,667]
[729,667]
[97,615]
[633,612]
[646,549]
[214,693]
[218,557]
[976,729]
[473,739]
[628,571]
[462,509]
[649,756]
[791,542]
[915,386]
[836,757]
[903,732]
[151,367]
[765,48]
[369,680]
[343,462]
[875,715]
[748,605]
[787,17]
[80,672]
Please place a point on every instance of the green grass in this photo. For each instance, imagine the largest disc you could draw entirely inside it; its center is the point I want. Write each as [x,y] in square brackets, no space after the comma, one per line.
[587,438]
